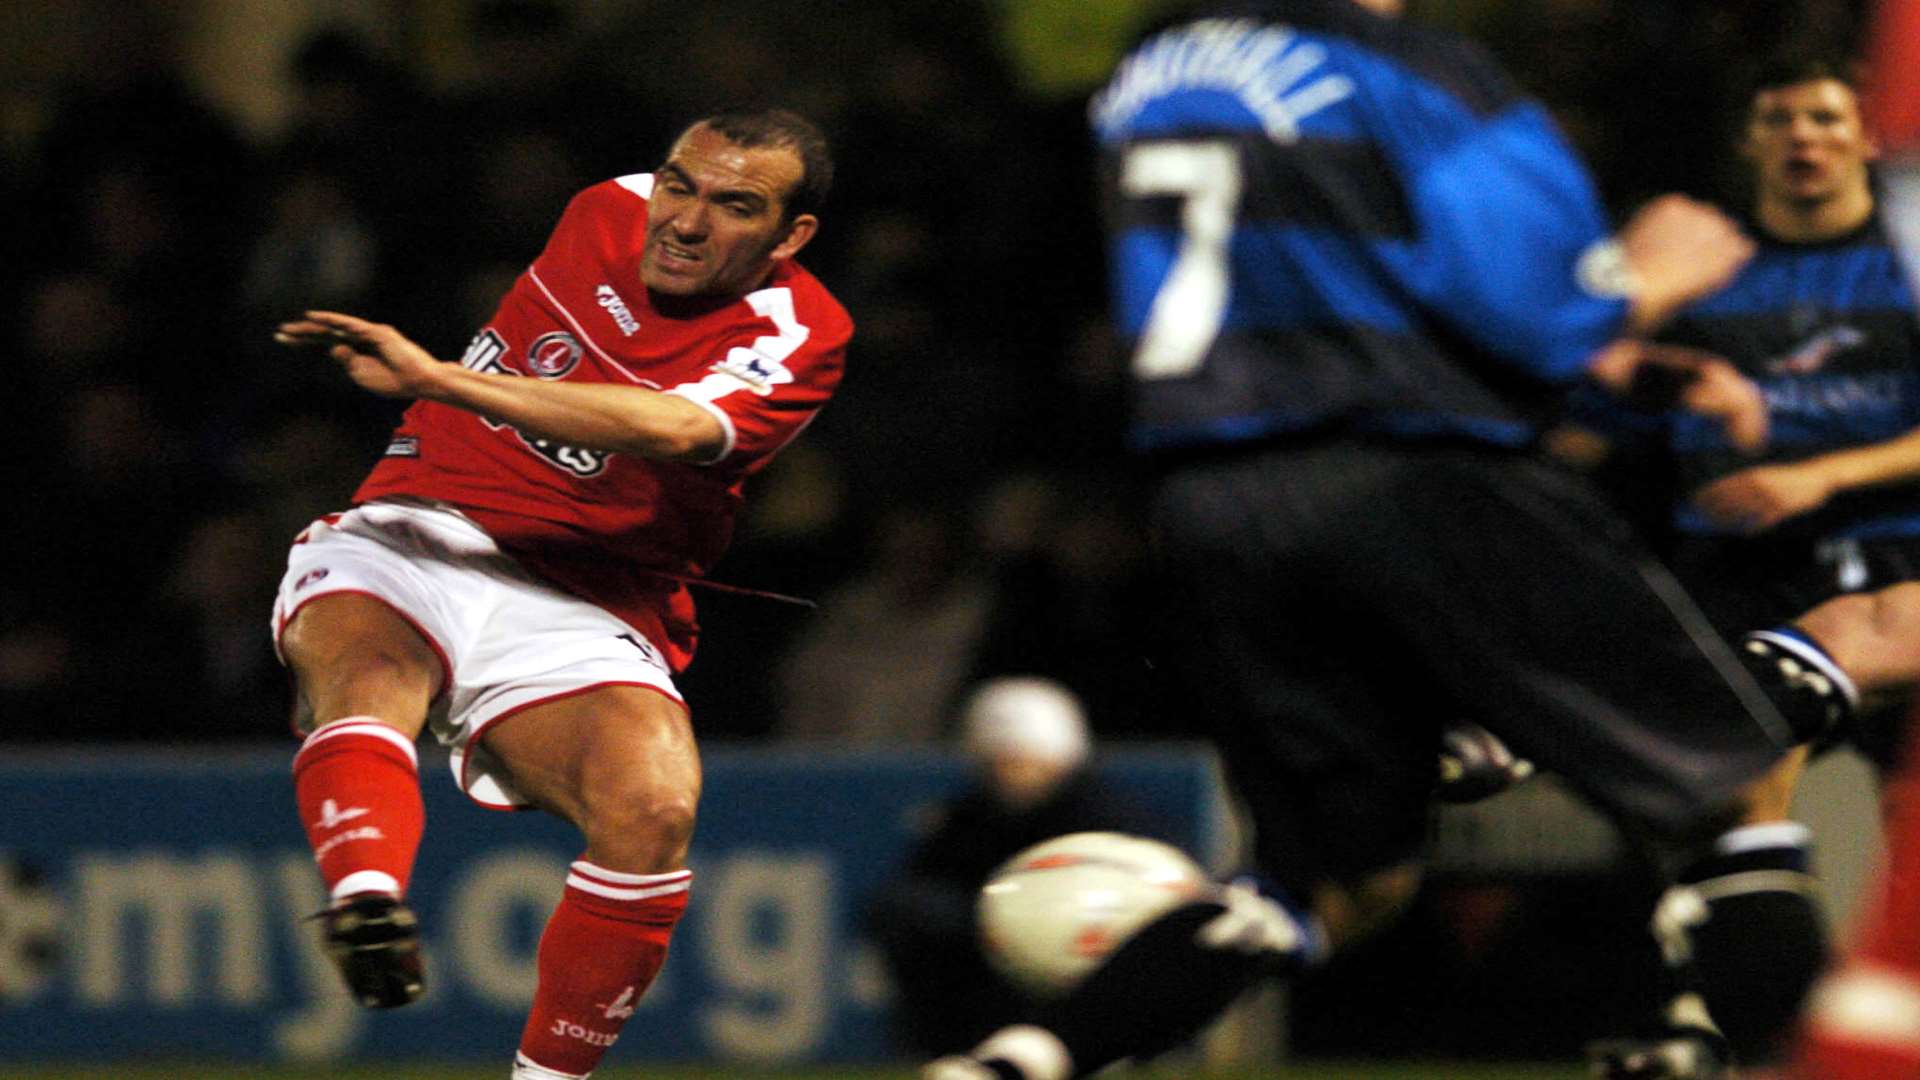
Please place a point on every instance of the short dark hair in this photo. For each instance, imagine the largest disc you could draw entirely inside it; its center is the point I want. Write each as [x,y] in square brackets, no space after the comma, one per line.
[753,127]
[1793,69]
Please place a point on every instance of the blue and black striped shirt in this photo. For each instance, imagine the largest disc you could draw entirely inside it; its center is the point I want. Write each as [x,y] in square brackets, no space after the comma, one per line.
[1828,332]
[1325,220]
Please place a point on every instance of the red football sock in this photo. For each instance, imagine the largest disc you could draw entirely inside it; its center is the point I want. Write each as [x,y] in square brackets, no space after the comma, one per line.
[602,948]
[358,785]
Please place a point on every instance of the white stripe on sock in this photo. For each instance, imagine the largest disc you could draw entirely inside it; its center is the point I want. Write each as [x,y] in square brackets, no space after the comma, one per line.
[361,725]
[616,877]
[1756,881]
[1773,834]
[588,885]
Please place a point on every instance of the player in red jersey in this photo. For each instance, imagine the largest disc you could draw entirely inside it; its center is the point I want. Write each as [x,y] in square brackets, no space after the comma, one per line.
[513,573]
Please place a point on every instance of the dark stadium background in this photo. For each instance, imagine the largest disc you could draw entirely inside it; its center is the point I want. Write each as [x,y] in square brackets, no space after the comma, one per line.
[177,176]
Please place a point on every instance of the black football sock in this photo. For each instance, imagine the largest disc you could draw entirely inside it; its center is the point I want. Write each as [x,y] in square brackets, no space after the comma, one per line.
[1155,992]
[1763,941]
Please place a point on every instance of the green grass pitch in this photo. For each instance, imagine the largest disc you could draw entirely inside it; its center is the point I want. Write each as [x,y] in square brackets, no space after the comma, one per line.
[487,1071]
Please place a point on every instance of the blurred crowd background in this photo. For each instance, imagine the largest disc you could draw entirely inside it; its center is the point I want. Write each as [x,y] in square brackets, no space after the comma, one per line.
[179,176]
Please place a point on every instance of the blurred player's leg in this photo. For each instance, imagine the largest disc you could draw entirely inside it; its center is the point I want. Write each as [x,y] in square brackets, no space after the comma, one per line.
[1757,889]
[1743,938]
[619,762]
[1190,964]
[1742,931]
[367,676]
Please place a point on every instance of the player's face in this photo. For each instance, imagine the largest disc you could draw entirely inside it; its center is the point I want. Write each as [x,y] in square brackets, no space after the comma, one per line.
[1806,142]
[716,220]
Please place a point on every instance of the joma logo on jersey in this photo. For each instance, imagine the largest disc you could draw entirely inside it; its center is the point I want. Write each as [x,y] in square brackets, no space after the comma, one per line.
[616,307]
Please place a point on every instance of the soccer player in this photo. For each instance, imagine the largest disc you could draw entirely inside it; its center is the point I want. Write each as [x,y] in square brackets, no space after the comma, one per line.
[1359,273]
[513,573]
[1822,320]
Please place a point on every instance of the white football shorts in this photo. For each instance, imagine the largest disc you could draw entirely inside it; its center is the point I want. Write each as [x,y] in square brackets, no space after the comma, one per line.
[506,641]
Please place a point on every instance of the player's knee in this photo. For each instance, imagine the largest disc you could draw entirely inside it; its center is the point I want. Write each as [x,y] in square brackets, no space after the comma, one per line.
[639,821]
[1896,611]
[1838,623]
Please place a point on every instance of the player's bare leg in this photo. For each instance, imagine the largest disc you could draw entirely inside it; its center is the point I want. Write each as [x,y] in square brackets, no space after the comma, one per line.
[1871,636]
[367,676]
[353,655]
[619,763]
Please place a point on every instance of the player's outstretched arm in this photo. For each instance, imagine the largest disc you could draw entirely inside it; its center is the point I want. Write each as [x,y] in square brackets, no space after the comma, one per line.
[599,416]
[375,356]
[1676,250]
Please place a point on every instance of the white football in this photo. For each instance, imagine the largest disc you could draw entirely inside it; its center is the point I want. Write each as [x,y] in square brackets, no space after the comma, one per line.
[1051,913]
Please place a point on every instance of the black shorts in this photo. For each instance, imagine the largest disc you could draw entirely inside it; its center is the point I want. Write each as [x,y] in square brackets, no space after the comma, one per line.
[1336,604]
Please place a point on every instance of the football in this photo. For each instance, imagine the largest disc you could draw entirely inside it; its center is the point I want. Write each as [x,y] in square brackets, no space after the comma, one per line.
[1051,913]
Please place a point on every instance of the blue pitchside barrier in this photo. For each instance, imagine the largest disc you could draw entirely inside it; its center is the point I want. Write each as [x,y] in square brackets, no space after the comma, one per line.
[152,906]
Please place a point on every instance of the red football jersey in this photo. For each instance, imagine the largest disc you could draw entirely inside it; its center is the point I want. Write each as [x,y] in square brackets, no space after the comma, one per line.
[610,527]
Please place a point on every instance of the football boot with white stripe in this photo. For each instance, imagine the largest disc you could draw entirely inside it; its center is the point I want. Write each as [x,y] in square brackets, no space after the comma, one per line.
[1680,1054]
[1475,764]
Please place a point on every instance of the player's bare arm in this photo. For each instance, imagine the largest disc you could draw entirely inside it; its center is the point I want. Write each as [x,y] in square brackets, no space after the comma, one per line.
[1677,250]
[1757,499]
[599,416]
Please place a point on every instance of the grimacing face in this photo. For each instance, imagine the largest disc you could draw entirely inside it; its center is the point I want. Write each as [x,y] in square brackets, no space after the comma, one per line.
[1807,143]
[716,221]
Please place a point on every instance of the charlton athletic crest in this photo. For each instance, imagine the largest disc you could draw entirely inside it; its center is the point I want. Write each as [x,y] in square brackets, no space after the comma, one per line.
[551,356]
